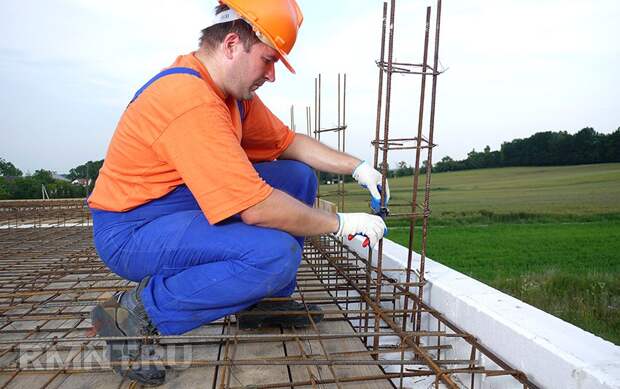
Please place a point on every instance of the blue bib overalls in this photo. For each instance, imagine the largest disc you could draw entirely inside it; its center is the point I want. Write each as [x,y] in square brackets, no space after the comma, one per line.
[202,272]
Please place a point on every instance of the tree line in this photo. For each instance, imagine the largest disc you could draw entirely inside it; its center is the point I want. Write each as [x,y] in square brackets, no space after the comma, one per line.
[541,149]
[15,185]
[546,148]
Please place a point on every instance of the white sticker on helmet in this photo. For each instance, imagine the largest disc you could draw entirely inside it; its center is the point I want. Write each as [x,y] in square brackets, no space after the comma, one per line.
[225,16]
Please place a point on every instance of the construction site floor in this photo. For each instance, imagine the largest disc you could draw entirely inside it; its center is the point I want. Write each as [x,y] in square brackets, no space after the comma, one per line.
[51,278]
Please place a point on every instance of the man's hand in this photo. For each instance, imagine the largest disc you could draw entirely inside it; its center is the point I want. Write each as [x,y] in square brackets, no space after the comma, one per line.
[371,226]
[370,179]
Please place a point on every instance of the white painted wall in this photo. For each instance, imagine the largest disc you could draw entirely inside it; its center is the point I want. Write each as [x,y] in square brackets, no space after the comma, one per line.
[552,352]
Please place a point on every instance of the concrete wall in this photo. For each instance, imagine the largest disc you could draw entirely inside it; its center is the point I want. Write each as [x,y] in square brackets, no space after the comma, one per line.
[552,352]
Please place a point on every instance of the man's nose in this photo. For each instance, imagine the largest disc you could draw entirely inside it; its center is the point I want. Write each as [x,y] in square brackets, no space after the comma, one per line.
[270,74]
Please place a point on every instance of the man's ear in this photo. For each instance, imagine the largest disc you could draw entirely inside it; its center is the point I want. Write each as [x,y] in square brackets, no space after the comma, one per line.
[230,43]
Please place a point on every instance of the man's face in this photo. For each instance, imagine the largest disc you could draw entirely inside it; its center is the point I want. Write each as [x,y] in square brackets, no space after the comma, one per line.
[251,69]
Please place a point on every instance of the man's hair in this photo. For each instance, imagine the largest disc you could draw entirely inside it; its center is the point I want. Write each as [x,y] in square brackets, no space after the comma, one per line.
[214,35]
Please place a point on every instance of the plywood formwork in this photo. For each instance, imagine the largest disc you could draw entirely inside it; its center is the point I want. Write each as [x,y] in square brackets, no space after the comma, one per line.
[51,277]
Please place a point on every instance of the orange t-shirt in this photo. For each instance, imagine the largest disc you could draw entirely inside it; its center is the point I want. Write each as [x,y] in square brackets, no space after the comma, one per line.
[182,130]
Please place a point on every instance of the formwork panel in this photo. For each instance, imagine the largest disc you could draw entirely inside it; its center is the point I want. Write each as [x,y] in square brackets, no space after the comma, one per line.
[51,278]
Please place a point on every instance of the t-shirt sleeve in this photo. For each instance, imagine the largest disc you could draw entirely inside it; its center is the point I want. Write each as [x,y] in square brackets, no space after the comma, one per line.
[265,137]
[202,146]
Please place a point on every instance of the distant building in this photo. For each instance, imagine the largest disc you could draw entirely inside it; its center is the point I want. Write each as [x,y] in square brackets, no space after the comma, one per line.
[60,177]
[81,181]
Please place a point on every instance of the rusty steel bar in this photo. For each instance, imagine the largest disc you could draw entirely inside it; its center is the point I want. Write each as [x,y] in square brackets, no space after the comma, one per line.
[429,160]
[302,354]
[405,337]
[384,168]
[326,354]
[520,376]
[308,122]
[414,200]
[317,125]
[380,88]
[333,129]
[400,139]
[196,339]
[341,147]
[290,362]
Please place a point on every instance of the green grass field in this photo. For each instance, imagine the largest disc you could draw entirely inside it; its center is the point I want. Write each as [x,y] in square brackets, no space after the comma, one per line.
[547,235]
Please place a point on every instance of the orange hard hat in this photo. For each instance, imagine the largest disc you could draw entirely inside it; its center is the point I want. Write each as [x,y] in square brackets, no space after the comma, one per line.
[275,22]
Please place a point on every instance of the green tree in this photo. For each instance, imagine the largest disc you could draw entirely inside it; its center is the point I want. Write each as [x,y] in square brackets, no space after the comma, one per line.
[589,146]
[403,169]
[8,169]
[88,170]
[63,189]
[448,164]
[26,188]
[43,176]
[612,147]
[5,193]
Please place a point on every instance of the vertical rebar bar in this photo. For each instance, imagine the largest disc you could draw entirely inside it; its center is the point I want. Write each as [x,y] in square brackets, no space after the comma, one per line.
[472,357]
[376,153]
[344,113]
[318,124]
[317,134]
[293,127]
[340,148]
[416,173]
[308,121]
[429,161]
[380,88]
[384,167]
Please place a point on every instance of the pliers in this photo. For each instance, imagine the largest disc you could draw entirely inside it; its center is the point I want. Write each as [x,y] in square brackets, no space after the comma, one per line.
[382,212]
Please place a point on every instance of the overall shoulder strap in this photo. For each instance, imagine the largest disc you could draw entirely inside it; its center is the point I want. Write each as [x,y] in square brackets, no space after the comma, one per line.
[163,73]
[181,70]
[241,109]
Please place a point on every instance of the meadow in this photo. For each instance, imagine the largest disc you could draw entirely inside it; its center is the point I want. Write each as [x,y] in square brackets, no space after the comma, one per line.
[547,235]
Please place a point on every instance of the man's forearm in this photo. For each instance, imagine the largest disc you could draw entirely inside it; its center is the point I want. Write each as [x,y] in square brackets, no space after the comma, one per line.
[286,213]
[320,156]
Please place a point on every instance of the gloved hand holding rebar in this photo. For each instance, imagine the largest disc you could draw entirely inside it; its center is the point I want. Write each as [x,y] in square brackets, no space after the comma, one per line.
[370,179]
[371,226]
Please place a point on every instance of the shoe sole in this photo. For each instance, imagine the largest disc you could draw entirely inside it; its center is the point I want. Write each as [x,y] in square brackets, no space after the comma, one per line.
[105,325]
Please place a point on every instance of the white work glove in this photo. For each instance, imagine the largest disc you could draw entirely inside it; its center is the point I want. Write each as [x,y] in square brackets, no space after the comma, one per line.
[371,226]
[370,179]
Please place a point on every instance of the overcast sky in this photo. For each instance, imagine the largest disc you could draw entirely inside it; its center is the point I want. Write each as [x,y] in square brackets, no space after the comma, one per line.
[514,67]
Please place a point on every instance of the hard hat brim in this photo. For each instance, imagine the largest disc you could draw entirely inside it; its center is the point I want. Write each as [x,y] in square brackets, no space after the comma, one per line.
[285,61]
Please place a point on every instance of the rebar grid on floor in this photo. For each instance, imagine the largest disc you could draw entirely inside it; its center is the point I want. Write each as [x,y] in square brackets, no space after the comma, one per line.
[43,213]
[50,279]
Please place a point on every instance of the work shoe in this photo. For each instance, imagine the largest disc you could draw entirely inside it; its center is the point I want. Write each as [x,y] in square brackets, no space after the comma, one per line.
[124,315]
[259,315]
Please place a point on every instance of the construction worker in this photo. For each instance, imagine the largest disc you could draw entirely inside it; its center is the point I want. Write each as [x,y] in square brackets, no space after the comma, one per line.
[205,196]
